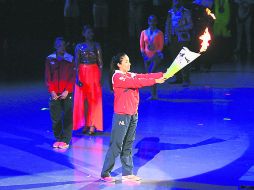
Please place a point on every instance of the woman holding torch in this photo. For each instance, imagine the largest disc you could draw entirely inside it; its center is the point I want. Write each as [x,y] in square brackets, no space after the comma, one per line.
[125,86]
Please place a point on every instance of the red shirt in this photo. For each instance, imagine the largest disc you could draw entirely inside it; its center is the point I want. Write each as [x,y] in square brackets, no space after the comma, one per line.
[59,74]
[125,86]
[151,44]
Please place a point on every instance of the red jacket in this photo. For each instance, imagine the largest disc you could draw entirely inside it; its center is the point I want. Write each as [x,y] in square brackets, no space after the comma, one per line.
[59,74]
[125,86]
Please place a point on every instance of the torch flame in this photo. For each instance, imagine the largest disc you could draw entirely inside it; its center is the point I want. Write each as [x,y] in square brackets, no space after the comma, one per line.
[205,37]
[209,12]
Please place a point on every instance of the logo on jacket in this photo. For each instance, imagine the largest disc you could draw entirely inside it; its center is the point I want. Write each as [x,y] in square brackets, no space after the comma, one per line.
[122,78]
[121,123]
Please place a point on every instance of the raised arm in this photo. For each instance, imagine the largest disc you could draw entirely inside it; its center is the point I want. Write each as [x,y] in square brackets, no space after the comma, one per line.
[150,75]
[123,81]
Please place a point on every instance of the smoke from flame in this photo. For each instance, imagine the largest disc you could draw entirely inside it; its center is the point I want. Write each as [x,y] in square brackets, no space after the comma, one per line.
[205,37]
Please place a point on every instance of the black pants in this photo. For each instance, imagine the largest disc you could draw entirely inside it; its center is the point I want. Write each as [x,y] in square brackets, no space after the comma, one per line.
[61,116]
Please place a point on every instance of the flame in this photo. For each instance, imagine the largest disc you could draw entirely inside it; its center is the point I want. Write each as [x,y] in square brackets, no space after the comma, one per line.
[209,12]
[205,37]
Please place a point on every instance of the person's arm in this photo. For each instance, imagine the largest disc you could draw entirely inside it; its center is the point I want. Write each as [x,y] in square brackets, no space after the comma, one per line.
[142,45]
[123,81]
[76,62]
[160,42]
[71,77]
[99,55]
[150,75]
[48,80]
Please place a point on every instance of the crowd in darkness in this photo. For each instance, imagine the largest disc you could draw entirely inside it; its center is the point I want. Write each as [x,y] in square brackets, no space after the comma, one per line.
[27,29]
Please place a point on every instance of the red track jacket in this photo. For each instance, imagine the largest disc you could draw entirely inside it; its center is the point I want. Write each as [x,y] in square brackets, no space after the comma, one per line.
[59,74]
[125,86]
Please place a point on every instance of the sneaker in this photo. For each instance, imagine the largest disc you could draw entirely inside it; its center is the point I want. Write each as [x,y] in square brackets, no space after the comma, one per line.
[56,144]
[108,179]
[63,145]
[130,178]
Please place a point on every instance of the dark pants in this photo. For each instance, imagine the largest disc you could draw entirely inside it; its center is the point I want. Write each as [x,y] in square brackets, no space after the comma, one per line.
[121,141]
[61,116]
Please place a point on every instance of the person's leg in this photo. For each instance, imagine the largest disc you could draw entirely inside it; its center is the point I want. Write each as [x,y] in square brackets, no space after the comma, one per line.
[185,72]
[94,101]
[126,154]
[56,118]
[239,34]
[119,129]
[79,107]
[247,27]
[67,119]
[186,75]
[176,48]
[153,68]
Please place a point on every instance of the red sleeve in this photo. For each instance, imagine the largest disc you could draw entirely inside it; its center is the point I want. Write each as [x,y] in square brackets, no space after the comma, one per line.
[71,78]
[150,75]
[123,81]
[160,41]
[142,41]
[48,81]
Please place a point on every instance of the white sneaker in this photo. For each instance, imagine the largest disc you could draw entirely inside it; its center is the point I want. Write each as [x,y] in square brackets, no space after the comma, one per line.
[56,144]
[130,178]
[63,145]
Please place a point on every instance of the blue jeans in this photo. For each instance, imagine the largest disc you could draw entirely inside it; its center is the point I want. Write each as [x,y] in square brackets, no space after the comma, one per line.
[121,141]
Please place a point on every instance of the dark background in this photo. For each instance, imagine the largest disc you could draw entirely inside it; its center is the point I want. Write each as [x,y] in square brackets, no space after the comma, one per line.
[29,27]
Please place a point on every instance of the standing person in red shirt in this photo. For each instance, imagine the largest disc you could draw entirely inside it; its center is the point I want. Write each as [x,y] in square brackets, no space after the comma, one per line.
[125,118]
[60,78]
[151,45]
[87,110]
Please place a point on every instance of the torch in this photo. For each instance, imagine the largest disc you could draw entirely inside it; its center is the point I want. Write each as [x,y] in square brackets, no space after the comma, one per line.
[185,56]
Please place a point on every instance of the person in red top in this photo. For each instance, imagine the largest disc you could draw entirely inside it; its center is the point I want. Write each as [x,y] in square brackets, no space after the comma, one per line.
[151,45]
[125,118]
[60,79]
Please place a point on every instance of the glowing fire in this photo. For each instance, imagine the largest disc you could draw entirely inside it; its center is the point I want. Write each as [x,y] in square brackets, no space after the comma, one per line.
[205,37]
[209,12]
